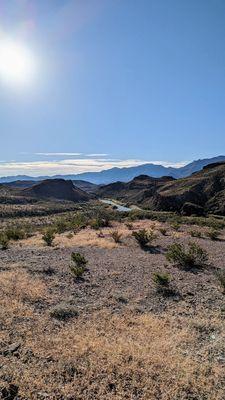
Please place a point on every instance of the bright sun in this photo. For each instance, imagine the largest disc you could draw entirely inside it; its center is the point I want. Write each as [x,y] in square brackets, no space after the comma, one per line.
[17,65]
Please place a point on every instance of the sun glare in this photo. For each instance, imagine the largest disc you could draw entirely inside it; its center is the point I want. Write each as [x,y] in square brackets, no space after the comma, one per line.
[17,65]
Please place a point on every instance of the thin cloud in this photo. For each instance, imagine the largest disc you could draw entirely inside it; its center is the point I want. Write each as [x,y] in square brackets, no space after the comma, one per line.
[58,154]
[71,166]
[96,155]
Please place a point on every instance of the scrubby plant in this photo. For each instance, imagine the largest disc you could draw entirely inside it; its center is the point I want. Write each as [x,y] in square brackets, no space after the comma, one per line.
[97,223]
[195,233]
[15,233]
[213,234]
[78,221]
[48,236]
[161,279]
[221,279]
[63,311]
[176,226]
[116,236]
[4,242]
[69,235]
[163,231]
[61,225]
[144,237]
[194,256]
[78,266]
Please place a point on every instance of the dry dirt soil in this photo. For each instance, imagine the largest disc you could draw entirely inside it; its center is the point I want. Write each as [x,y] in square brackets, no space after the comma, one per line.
[119,337]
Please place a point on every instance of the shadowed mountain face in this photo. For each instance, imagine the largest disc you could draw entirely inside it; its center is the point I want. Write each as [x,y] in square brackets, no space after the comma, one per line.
[56,189]
[202,192]
[20,184]
[137,191]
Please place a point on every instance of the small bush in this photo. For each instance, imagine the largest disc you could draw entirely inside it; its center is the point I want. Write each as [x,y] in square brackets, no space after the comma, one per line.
[161,280]
[15,233]
[49,236]
[4,242]
[63,311]
[213,234]
[162,283]
[195,233]
[221,279]
[116,236]
[142,237]
[61,226]
[69,236]
[194,256]
[176,226]
[79,264]
[163,231]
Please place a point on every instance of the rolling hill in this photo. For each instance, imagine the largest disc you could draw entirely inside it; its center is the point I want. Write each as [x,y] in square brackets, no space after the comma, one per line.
[202,192]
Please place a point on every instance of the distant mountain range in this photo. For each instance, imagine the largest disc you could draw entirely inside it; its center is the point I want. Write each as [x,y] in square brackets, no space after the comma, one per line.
[199,194]
[125,174]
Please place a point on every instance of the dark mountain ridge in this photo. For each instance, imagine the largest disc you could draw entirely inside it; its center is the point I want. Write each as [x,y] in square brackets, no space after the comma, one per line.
[201,193]
[59,189]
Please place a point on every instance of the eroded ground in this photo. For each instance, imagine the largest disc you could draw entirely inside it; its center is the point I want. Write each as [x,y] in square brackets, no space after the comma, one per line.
[125,340]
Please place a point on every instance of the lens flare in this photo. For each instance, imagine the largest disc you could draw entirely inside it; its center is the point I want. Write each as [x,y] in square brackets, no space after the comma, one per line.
[17,64]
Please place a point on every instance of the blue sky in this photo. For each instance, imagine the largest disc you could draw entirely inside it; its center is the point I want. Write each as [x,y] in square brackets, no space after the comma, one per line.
[118,81]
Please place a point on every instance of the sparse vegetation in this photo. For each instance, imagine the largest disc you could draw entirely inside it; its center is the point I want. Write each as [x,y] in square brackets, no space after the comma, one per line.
[176,226]
[4,242]
[213,234]
[194,256]
[116,236]
[15,233]
[63,311]
[162,282]
[221,279]
[49,236]
[78,265]
[195,233]
[144,237]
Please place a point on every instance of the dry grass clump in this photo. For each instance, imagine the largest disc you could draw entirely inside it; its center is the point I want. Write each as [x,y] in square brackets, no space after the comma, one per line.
[19,284]
[104,358]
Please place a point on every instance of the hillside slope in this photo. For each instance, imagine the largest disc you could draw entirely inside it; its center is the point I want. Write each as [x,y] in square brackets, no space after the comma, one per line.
[202,192]
[56,189]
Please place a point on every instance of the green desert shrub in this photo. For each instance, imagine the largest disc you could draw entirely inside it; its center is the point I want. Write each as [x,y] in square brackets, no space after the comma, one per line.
[213,234]
[15,233]
[161,280]
[78,266]
[49,236]
[176,226]
[78,221]
[97,223]
[195,233]
[4,242]
[144,237]
[63,311]
[221,279]
[61,225]
[193,256]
